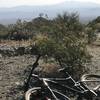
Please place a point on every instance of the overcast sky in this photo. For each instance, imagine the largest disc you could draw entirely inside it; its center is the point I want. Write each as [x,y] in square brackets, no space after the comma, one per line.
[12,3]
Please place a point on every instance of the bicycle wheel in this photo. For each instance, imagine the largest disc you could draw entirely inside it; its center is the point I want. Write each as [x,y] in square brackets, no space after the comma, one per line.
[91,80]
[36,93]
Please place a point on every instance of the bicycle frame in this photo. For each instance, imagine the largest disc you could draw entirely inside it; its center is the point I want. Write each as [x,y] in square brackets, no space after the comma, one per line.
[78,87]
[43,84]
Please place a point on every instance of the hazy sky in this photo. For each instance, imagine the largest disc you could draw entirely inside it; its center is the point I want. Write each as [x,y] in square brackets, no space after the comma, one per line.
[12,3]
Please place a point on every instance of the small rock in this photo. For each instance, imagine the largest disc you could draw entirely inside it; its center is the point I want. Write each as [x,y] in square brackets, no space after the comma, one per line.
[0,55]
[0,78]
[17,83]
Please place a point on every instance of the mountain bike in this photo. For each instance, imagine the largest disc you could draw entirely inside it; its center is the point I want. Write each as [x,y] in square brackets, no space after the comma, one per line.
[61,88]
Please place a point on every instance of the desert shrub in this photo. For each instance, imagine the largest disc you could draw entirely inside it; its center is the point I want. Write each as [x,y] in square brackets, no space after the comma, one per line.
[66,44]
[92,29]
[20,31]
[91,34]
[3,32]
[71,54]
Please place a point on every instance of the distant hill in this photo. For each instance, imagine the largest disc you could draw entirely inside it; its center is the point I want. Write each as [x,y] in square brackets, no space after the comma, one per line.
[87,11]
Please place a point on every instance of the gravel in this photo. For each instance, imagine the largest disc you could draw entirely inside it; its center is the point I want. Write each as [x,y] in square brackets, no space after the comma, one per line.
[12,76]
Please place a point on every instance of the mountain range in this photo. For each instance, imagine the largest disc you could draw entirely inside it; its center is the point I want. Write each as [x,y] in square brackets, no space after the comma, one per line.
[86,11]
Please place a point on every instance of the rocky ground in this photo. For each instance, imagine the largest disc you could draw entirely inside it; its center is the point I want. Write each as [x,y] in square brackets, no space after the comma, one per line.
[12,75]
[13,72]
[95,63]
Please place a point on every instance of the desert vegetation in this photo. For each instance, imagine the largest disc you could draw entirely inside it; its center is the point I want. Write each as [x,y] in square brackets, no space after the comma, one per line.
[61,41]
[63,38]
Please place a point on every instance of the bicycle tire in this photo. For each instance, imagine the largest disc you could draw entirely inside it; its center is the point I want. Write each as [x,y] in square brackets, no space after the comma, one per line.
[59,95]
[91,80]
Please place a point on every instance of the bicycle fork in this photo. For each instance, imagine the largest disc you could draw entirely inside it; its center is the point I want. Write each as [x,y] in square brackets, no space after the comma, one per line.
[50,90]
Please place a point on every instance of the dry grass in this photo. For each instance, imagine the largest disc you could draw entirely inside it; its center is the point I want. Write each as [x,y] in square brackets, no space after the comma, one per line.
[16,43]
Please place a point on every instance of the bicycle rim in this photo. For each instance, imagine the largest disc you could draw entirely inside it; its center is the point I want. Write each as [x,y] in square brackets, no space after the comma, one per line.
[34,90]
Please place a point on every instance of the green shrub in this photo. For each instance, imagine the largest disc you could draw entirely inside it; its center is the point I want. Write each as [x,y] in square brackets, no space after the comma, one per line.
[66,44]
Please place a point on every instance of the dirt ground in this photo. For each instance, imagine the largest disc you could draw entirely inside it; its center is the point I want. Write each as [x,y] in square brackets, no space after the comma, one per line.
[95,63]
[12,73]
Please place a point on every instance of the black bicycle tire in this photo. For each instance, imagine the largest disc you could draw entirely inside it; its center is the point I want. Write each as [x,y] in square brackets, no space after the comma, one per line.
[28,93]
